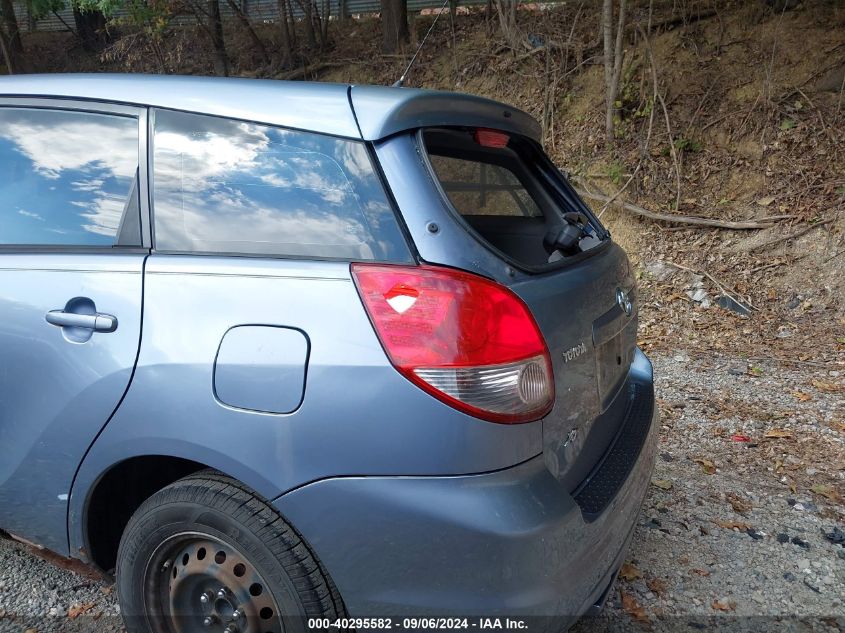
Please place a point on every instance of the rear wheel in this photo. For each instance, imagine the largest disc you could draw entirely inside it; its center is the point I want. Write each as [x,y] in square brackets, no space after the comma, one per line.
[206,554]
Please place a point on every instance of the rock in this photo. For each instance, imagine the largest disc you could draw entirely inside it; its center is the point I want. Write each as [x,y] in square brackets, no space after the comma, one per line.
[729,303]
[836,536]
[698,295]
[799,542]
[783,538]
[803,564]
[754,534]
[789,576]
[660,270]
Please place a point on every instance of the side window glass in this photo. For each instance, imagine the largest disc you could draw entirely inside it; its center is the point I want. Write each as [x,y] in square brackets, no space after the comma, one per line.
[225,186]
[67,177]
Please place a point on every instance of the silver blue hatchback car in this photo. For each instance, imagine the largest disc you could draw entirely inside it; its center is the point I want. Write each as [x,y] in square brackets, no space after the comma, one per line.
[289,355]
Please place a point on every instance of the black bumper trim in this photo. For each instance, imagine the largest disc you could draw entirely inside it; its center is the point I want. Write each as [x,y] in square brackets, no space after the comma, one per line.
[600,487]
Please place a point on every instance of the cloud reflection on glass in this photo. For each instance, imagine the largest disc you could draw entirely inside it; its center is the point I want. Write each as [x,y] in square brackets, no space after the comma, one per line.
[232,187]
[66,175]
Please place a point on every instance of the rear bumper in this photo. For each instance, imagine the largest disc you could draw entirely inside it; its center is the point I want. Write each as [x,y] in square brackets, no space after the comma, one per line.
[510,543]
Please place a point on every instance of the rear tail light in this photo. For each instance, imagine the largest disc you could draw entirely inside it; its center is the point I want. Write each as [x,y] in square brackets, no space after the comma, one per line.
[466,340]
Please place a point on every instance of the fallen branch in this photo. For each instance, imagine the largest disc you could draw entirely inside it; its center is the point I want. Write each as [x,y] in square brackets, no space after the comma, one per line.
[790,236]
[763,223]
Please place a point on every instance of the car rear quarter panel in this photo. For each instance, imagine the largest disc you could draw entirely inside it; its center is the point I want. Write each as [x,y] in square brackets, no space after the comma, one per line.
[359,416]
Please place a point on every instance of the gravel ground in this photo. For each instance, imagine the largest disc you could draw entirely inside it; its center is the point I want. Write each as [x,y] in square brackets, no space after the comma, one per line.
[732,541]
[735,540]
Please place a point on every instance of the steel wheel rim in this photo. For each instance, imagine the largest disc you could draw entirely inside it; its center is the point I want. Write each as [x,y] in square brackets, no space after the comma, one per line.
[197,582]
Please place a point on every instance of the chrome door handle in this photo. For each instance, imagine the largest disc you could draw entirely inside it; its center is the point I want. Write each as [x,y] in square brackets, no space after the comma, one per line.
[97,322]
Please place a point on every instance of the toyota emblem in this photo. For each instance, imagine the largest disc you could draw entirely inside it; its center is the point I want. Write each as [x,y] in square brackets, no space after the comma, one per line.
[624,302]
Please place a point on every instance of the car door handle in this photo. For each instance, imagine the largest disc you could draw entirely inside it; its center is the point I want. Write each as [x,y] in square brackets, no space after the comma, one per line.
[97,322]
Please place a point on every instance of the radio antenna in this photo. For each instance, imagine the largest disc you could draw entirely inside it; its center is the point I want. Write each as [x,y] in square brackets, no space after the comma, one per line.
[401,81]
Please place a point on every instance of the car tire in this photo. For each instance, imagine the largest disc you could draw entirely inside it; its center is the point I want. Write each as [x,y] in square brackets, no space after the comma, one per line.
[206,553]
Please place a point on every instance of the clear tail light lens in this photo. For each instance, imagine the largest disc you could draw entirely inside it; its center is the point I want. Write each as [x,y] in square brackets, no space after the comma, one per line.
[467,340]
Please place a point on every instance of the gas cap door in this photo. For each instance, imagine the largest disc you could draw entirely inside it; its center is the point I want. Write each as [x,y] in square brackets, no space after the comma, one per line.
[262,368]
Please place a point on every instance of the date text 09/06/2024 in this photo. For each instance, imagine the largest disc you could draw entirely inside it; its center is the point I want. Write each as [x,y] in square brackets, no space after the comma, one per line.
[411,624]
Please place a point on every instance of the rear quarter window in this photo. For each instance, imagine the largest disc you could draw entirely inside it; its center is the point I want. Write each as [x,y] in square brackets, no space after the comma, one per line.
[226,186]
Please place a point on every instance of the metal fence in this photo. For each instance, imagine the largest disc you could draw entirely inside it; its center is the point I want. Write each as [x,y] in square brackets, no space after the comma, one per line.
[255,10]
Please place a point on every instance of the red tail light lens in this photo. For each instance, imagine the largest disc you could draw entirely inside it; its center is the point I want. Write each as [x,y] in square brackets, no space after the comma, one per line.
[468,341]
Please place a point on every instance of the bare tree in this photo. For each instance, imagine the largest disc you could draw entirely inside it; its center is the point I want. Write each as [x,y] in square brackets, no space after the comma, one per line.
[394,24]
[11,37]
[215,29]
[307,8]
[506,10]
[209,19]
[323,22]
[285,34]
[244,20]
[7,58]
[613,56]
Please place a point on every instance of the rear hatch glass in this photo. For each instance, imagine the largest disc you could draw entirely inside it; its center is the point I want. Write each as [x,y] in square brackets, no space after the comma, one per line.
[501,188]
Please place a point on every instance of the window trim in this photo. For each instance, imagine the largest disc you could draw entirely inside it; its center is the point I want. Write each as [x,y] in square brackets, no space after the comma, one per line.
[94,107]
[374,164]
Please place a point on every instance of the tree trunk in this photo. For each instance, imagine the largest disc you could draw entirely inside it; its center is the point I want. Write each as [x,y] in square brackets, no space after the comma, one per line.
[613,56]
[292,22]
[324,23]
[343,11]
[507,21]
[284,34]
[91,28]
[215,28]
[310,33]
[607,32]
[7,57]
[13,42]
[394,24]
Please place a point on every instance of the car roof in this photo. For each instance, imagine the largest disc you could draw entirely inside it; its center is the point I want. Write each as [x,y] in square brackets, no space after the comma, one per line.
[368,112]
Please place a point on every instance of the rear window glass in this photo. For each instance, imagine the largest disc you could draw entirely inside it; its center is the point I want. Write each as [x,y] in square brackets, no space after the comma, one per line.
[482,188]
[501,186]
[226,186]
